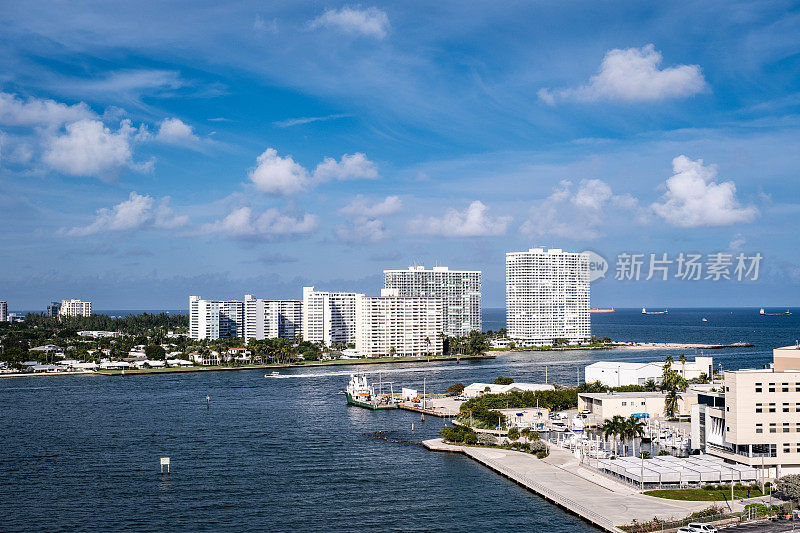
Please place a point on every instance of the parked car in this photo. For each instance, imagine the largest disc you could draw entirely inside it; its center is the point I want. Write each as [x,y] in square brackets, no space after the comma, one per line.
[687,529]
[705,528]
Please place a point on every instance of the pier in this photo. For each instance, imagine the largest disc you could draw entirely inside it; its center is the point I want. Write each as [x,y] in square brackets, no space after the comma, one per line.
[559,479]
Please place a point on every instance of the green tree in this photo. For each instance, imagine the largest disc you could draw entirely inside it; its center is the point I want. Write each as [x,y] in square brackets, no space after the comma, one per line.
[513,434]
[789,486]
[456,389]
[503,380]
[154,351]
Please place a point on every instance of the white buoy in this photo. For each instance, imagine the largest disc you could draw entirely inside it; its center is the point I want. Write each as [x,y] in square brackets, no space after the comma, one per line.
[164,462]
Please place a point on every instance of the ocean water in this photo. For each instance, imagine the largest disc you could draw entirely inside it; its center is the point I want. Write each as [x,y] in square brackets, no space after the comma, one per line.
[274,454]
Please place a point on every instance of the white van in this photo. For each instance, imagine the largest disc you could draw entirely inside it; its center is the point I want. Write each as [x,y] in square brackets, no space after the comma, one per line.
[705,528]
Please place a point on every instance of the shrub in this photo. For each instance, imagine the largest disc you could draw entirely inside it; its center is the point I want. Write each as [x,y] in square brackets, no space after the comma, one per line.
[663,452]
[503,380]
[486,439]
[459,434]
[513,433]
[789,486]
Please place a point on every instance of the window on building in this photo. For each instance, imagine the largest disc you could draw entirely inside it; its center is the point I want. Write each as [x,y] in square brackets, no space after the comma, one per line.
[758,387]
[773,428]
[787,448]
[784,387]
[759,428]
[771,387]
[624,403]
[786,408]
[786,427]
[759,408]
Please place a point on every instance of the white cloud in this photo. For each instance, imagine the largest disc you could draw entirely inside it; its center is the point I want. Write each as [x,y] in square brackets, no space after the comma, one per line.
[138,211]
[633,75]
[474,221]
[278,175]
[305,120]
[271,224]
[361,229]
[88,148]
[360,207]
[694,198]
[737,242]
[37,112]
[371,22]
[350,167]
[283,176]
[176,131]
[576,213]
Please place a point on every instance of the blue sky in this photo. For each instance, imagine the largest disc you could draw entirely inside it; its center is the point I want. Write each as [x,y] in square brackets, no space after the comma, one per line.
[152,150]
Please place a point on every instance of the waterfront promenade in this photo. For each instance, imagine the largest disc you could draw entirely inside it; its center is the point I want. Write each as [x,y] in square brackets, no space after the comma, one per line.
[559,478]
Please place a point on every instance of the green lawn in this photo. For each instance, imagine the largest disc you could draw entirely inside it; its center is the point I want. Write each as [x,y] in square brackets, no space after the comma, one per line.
[701,495]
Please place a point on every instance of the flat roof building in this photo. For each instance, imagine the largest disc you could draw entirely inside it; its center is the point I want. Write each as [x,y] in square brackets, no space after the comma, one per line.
[547,296]
[390,324]
[329,317]
[3,310]
[270,319]
[75,307]
[617,374]
[755,420]
[214,319]
[460,291]
[605,405]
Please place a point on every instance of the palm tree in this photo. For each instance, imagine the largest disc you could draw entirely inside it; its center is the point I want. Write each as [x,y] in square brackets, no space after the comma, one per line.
[671,402]
[632,429]
[682,360]
[612,428]
[428,346]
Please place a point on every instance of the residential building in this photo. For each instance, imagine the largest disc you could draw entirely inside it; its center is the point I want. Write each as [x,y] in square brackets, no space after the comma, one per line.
[3,310]
[547,297]
[755,420]
[479,389]
[391,324]
[460,291]
[214,319]
[269,319]
[53,309]
[100,334]
[604,405]
[329,317]
[74,307]
[617,374]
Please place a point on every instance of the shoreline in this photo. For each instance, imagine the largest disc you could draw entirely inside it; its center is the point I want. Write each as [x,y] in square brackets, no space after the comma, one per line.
[175,370]
[627,347]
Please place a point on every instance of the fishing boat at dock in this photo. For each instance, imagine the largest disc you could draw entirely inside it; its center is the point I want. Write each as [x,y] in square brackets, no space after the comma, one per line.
[360,393]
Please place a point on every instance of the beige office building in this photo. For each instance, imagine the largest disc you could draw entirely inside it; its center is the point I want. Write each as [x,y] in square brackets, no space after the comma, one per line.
[756,419]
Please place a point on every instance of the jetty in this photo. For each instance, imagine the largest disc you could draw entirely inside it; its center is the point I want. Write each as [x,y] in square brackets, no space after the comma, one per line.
[560,479]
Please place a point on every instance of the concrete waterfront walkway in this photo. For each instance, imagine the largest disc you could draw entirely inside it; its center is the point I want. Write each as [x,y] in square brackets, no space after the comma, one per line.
[559,479]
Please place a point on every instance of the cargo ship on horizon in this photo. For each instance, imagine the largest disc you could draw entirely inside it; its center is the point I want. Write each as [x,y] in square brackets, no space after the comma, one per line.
[602,310]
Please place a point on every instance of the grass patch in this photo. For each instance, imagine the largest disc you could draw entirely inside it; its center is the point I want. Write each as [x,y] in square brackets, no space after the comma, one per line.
[701,495]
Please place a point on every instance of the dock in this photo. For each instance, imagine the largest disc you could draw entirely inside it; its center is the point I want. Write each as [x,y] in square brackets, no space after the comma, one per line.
[440,407]
[561,480]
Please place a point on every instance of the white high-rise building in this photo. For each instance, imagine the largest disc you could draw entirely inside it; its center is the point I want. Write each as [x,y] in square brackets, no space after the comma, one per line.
[329,317]
[75,307]
[213,319]
[3,311]
[269,319]
[391,324]
[460,291]
[547,296]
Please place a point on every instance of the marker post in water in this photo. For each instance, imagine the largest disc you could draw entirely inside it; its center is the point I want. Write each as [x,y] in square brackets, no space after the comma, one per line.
[208,402]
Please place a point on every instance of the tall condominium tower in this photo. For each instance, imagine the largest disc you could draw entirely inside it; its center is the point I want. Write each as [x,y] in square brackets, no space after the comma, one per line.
[3,311]
[75,307]
[53,309]
[213,319]
[460,291]
[269,319]
[547,296]
[390,324]
[329,317]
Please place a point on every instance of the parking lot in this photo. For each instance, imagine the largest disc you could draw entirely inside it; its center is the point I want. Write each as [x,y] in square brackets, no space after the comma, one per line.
[765,526]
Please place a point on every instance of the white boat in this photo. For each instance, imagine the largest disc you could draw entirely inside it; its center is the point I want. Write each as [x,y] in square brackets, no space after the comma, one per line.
[704,319]
[577,424]
[558,426]
[273,374]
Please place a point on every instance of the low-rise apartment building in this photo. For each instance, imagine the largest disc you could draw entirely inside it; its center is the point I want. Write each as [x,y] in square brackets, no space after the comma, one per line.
[755,420]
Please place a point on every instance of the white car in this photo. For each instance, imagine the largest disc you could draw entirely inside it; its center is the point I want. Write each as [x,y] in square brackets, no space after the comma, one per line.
[705,528]
[687,529]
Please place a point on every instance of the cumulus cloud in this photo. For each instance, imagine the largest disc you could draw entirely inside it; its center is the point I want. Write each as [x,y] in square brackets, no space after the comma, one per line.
[371,22]
[474,221]
[633,75]
[361,207]
[694,198]
[576,212]
[88,148]
[268,225]
[138,211]
[176,131]
[38,112]
[283,176]
[350,167]
[278,175]
[360,230]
